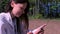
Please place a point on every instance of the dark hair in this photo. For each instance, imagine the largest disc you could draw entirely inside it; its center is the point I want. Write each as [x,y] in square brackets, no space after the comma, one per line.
[23,17]
[8,5]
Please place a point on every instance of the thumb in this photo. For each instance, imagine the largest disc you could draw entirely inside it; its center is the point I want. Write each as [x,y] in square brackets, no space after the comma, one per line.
[29,32]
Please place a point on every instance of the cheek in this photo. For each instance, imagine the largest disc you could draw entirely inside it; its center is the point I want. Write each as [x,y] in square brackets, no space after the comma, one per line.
[16,9]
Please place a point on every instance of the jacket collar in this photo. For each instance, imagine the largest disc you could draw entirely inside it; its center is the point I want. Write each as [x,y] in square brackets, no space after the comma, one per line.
[9,19]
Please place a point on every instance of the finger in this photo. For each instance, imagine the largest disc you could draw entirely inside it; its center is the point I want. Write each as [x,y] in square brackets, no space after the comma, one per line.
[38,29]
[42,30]
[42,26]
[29,33]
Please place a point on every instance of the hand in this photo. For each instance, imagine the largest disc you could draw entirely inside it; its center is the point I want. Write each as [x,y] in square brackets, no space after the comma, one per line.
[29,33]
[39,29]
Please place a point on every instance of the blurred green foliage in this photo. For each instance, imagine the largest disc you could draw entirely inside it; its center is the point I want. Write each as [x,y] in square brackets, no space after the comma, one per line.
[3,4]
[33,7]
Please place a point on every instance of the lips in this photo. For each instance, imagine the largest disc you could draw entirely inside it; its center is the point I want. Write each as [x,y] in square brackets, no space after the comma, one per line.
[18,14]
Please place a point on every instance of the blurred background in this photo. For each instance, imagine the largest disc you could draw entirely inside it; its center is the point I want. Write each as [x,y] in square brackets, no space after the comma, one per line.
[44,9]
[41,12]
[39,8]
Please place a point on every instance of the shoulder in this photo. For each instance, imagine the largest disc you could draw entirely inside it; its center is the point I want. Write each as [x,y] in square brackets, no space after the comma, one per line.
[2,15]
[2,18]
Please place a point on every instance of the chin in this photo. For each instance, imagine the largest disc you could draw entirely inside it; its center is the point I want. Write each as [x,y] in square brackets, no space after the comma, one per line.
[17,15]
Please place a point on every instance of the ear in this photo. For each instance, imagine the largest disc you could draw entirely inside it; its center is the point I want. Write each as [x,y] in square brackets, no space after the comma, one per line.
[12,4]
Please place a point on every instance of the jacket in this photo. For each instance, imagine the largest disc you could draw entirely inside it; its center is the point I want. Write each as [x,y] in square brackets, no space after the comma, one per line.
[6,24]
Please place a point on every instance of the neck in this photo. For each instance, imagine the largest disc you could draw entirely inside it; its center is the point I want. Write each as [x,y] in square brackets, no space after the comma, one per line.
[12,15]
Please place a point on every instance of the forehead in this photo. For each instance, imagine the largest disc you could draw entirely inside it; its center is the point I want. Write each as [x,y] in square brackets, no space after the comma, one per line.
[21,4]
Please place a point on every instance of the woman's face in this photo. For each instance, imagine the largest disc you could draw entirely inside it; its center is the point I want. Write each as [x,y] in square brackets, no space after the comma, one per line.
[18,9]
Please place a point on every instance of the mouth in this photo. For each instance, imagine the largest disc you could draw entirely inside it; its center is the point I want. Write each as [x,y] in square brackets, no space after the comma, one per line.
[18,14]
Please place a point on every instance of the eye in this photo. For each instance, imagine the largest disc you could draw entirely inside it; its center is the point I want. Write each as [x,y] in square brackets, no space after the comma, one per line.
[22,8]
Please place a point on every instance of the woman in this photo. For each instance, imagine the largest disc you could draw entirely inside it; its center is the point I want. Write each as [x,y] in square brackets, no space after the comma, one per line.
[15,20]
